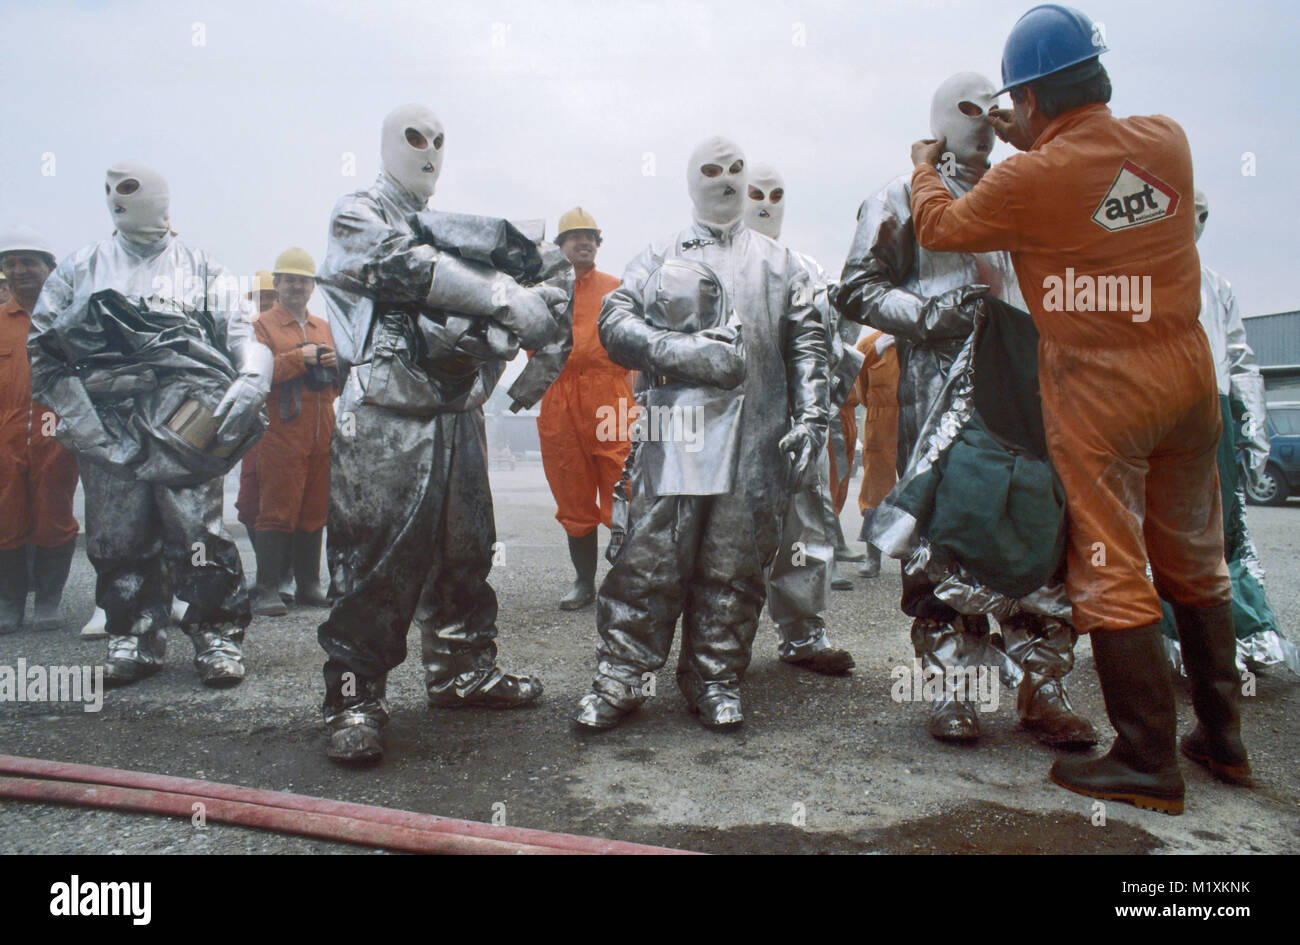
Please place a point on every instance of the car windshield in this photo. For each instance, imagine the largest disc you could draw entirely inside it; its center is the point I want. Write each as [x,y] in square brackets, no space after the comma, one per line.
[1286,421]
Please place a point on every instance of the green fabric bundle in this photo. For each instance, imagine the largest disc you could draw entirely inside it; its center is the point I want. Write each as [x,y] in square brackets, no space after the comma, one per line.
[1000,513]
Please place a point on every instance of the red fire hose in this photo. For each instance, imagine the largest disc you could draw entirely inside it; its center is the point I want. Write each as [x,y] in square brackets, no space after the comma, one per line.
[32,779]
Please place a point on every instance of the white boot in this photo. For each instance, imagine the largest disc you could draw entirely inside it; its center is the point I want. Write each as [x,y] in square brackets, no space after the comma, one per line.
[96,627]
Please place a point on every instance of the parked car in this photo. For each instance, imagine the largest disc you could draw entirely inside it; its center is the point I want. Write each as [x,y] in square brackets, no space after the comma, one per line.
[1282,477]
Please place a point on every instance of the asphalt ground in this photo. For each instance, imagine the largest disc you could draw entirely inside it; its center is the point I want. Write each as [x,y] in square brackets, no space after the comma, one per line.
[821,764]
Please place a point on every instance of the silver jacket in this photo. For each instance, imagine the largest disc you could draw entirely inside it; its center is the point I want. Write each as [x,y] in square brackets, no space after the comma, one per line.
[1235,367]
[924,299]
[784,337]
[167,275]
[845,360]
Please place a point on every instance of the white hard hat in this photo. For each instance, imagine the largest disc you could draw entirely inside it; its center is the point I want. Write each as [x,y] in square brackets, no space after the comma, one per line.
[23,239]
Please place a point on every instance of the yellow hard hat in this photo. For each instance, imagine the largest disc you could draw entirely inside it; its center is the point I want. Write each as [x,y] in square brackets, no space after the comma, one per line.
[576,219]
[263,281]
[294,261]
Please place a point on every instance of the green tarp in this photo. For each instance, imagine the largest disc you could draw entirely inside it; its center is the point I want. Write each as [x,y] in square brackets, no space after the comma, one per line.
[992,501]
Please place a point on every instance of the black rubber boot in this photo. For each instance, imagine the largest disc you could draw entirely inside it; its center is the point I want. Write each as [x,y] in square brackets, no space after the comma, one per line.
[583,553]
[842,550]
[1209,644]
[306,569]
[1141,767]
[286,568]
[13,588]
[871,567]
[271,549]
[838,581]
[52,566]
[286,576]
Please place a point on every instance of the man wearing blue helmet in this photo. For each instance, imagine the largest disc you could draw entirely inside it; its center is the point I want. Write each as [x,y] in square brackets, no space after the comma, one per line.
[928,301]
[1097,216]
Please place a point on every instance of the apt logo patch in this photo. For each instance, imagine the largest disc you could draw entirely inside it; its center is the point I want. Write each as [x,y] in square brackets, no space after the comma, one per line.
[1135,197]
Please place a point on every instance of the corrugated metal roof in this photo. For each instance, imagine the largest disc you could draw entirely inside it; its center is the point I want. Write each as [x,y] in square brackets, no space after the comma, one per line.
[1275,338]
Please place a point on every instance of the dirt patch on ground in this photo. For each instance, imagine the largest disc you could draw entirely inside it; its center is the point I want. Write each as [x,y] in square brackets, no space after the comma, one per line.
[992,828]
[970,828]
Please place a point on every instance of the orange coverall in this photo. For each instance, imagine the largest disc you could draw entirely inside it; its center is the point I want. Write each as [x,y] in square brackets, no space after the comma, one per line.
[877,389]
[293,456]
[1127,381]
[839,485]
[246,499]
[37,475]
[582,466]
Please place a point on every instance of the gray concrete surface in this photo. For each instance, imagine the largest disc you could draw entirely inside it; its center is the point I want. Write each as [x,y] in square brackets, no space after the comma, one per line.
[822,765]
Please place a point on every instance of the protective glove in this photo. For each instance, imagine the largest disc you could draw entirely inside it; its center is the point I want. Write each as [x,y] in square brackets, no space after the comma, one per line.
[951,314]
[494,343]
[1255,467]
[801,446]
[720,361]
[238,411]
[472,288]
[730,333]
[844,373]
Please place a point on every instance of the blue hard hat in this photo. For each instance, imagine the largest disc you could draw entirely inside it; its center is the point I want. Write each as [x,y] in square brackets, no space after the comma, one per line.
[1047,39]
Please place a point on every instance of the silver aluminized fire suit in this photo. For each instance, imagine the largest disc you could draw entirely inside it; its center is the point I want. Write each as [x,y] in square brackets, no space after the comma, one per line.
[927,301]
[142,537]
[800,575]
[411,527]
[1239,380]
[1241,391]
[702,557]
[1235,367]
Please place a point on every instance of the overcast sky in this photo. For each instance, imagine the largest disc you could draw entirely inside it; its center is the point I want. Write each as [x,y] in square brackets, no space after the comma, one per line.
[255,112]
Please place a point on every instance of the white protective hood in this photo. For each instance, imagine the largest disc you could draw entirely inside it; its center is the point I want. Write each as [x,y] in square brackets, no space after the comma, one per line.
[138,201]
[719,200]
[415,168]
[1202,212]
[969,137]
[765,201]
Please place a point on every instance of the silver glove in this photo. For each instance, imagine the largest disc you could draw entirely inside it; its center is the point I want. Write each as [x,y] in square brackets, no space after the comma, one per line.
[802,447]
[472,288]
[240,408]
[238,411]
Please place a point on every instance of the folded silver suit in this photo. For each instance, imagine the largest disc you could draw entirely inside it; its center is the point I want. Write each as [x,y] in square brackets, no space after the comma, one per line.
[140,364]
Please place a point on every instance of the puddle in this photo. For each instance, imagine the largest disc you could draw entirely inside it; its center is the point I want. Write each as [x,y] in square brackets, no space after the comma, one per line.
[970,828]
